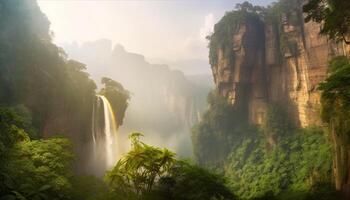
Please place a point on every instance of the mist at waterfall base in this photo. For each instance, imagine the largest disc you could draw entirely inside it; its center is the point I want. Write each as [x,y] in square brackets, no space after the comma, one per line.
[165,103]
[104,147]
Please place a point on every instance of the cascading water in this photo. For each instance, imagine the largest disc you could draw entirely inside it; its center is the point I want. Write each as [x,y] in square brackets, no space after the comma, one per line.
[104,135]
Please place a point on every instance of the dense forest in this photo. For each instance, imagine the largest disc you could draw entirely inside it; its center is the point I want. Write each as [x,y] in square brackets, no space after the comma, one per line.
[46,111]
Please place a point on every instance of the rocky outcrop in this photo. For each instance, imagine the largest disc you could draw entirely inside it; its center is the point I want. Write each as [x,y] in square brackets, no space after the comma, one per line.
[275,63]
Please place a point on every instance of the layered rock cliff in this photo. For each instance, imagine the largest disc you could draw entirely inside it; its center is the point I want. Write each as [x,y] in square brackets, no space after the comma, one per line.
[267,56]
[273,61]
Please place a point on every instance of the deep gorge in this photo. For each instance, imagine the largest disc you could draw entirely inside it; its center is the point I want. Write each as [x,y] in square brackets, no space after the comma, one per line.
[94,121]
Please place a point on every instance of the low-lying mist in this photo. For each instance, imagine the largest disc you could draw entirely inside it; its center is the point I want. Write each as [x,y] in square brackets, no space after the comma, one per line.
[164,103]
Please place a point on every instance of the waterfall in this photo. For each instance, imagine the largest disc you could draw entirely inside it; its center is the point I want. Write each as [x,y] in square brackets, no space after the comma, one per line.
[104,135]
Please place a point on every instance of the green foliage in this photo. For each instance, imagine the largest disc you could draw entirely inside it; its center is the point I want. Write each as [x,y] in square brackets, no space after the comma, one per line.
[323,191]
[298,160]
[297,163]
[287,10]
[136,173]
[299,166]
[34,72]
[335,112]
[40,169]
[37,169]
[334,16]
[277,124]
[335,97]
[78,93]
[118,97]
[220,127]
[186,181]
[89,188]
[336,94]
[24,117]
[147,172]
[11,132]
[39,87]
[227,26]
[277,15]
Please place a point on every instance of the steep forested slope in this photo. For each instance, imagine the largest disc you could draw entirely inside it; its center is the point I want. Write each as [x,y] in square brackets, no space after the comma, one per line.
[34,72]
[38,82]
[42,95]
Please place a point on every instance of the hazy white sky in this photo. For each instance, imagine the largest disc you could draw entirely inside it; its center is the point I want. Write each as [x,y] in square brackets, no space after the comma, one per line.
[164,29]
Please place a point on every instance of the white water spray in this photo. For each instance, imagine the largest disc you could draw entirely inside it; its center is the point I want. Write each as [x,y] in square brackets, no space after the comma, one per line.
[104,134]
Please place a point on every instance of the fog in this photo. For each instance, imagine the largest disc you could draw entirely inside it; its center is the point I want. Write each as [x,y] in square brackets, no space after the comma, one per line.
[164,103]
[163,59]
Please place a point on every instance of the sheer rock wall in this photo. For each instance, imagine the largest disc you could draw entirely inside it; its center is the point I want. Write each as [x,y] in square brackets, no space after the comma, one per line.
[261,71]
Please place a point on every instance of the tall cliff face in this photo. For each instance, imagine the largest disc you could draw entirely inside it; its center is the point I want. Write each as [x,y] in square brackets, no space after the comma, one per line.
[262,57]
[268,63]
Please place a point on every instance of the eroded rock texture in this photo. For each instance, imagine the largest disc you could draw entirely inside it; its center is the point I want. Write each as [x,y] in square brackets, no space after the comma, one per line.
[279,62]
[270,65]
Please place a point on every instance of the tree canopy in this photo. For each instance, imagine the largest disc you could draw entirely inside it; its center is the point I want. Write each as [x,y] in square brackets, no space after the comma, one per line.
[32,169]
[336,91]
[334,16]
[117,96]
[148,172]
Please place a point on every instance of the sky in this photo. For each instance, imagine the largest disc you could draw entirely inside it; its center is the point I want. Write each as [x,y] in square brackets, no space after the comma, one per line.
[158,29]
